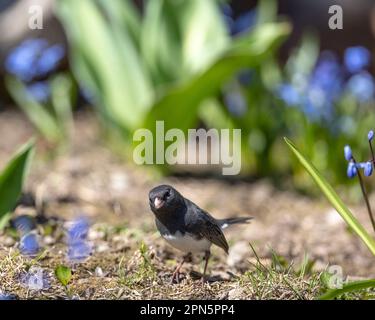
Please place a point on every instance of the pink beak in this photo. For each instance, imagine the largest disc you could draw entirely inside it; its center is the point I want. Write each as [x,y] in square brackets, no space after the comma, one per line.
[158,203]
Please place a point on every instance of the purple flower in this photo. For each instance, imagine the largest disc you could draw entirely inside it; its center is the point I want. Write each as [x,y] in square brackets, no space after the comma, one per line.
[29,245]
[356,58]
[348,153]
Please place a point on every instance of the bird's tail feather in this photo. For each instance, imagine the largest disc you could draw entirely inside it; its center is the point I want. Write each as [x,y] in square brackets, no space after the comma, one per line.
[224,223]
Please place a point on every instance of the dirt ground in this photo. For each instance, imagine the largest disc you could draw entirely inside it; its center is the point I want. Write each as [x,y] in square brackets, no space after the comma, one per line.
[90,180]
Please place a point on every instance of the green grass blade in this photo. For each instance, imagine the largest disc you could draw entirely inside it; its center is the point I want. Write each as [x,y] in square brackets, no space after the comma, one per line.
[13,176]
[334,199]
[349,287]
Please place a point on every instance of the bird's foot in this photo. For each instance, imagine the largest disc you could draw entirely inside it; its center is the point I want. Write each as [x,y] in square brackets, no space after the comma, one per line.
[204,280]
[175,277]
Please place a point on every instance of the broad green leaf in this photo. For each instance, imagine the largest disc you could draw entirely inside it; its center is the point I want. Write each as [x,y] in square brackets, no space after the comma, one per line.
[13,176]
[202,42]
[62,96]
[179,107]
[110,59]
[63,274]
[346,288]
[161,40]
[125,16]
[334,199]
[38,114]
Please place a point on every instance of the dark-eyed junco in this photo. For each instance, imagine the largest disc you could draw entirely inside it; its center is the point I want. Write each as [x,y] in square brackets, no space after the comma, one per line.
[187,227]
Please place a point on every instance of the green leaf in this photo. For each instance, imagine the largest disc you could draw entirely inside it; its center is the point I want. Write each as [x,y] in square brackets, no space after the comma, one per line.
[179,107]
[62,98]
[63,274]
[38,114]
[110,64]
[4,220]
[334,199]
[13,177]
[349,287]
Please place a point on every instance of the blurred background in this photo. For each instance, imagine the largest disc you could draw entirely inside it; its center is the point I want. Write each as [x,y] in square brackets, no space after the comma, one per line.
[271,68]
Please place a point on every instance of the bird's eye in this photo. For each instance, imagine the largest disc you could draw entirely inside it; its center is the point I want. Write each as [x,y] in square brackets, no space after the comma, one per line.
[168,193]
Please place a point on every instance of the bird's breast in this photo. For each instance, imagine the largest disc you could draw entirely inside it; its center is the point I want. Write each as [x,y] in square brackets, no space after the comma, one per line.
[187,243]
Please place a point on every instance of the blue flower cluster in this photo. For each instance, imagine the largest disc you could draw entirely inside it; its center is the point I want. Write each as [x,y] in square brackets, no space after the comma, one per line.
[317,93]
[7,296]
[353,166]
[78,246]
[76,238]
[29,244]
[33,59]
[35,278]
[240,24]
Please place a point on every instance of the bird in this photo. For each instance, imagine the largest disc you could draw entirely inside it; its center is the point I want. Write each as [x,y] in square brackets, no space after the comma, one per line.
[187,227]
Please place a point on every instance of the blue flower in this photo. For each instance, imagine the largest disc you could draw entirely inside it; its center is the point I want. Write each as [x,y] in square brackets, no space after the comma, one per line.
[78,229]
[79,251]
[50,59]
[36,278]
[244,22]
[78,247]
[24,224]
[370,135]
[352,170]
[6,296]
[367,171]
[348,153]
[33,58]
[362,86]
[356,58]
[21,60]
[289,94]
[245,76]
[235,103]
[327,77]
[29,245]
[40,91]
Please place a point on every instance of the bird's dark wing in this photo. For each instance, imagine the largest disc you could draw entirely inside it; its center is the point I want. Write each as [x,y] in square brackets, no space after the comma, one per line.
[206,226]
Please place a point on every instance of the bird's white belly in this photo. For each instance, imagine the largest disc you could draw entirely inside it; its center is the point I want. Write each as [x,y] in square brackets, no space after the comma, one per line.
[187,243]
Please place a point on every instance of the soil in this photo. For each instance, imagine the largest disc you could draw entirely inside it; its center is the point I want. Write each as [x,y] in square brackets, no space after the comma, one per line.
[91,180]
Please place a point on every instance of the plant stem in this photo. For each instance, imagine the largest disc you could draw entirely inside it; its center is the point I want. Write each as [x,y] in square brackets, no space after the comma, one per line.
[364,193]
[372,153]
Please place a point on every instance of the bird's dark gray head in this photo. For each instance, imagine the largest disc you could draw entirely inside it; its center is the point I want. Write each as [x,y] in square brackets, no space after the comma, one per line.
[165,199]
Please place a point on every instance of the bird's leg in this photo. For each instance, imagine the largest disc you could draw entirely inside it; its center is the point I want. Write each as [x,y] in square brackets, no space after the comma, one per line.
[207,255]
[176,273]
